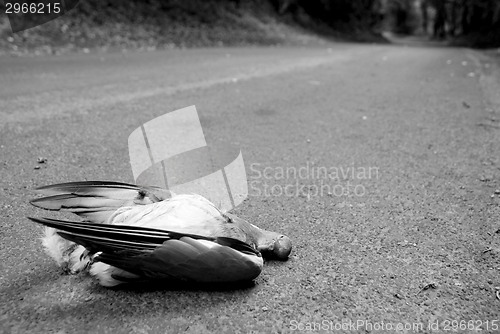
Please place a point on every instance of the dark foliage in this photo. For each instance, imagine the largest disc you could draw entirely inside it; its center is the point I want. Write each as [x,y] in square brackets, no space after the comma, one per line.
[151,24]
[471,22]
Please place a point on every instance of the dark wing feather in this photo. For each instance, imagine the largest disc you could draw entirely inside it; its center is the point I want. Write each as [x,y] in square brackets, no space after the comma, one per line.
[217,263]
[113,233]
[156,254]
[96,200]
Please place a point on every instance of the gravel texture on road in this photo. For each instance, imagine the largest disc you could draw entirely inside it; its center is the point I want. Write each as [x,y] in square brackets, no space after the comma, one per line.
[393,213]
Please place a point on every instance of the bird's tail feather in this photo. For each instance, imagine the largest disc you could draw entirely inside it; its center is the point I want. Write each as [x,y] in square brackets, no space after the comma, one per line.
[68,255]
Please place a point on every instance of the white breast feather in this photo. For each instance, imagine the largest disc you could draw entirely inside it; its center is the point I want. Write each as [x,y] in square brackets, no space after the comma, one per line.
[192,214]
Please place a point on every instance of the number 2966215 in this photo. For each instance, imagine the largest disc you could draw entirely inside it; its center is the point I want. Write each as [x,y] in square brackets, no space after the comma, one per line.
[32,8]
[471,325]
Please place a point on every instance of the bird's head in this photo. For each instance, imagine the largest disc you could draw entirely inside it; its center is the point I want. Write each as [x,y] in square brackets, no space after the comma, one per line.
[272,245]
[275,246]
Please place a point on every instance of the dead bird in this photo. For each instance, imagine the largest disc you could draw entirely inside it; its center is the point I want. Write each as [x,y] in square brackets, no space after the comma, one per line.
[136,233]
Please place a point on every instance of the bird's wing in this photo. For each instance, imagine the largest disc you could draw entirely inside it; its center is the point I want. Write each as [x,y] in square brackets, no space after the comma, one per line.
[156,254]
[96,200]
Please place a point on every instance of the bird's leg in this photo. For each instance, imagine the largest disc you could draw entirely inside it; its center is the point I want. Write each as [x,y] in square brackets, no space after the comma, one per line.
[80,260]
[84,254]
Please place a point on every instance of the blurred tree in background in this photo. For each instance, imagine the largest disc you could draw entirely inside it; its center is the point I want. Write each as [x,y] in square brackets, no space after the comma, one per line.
[401,16]
[367,13]
[475,20]
[460,17]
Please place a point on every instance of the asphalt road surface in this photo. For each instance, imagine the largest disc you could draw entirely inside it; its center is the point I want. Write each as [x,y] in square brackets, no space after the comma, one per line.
[400,231]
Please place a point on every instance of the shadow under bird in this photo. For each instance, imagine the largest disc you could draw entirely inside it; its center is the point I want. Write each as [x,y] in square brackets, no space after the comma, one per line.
[134,233]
